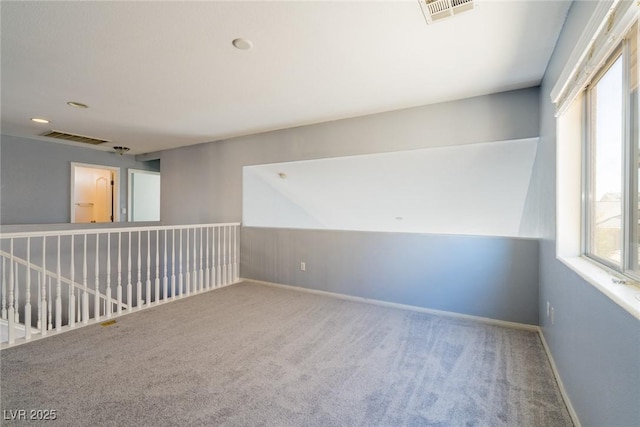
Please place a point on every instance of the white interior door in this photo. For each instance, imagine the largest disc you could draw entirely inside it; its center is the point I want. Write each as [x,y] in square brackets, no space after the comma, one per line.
[103,196]
[93,194]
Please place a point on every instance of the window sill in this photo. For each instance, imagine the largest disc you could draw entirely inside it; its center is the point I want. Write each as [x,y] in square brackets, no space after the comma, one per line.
[625,295]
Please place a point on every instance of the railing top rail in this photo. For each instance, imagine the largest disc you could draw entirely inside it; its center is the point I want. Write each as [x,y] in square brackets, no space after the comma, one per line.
[55,233]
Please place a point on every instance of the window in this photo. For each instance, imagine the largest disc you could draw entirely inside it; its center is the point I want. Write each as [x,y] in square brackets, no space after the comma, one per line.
[597,154]
[611,162]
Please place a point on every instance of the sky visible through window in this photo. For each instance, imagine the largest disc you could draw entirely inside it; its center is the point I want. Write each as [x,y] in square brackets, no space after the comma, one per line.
[607,176]
[608,179]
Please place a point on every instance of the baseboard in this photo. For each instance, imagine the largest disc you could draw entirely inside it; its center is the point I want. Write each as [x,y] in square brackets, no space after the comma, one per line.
[563,391]
[504,323]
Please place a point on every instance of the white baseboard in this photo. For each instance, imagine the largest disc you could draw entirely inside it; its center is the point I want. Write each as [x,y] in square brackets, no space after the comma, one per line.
[563,391]
[504,323]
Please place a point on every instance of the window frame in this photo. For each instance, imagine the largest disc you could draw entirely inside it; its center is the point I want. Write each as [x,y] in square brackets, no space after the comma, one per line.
[629,168]
[609,22]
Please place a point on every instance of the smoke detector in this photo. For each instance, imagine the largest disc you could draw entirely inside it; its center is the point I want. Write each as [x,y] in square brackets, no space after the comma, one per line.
[436,10]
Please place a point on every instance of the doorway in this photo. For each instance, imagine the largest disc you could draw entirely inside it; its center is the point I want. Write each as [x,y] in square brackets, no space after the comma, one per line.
[94,193]
[144,195]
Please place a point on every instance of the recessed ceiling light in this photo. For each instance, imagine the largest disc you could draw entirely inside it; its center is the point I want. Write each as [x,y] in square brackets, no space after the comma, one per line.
[241,43]
[77,104]
[39,120]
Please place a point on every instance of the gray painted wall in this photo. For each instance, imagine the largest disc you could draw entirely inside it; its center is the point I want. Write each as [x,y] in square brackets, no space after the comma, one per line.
[35,178]
[207,178]
[594,342]
[203,183]
[491,277]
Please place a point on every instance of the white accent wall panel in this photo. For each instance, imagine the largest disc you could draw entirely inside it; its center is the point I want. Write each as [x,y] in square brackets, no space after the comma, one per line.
[474,189]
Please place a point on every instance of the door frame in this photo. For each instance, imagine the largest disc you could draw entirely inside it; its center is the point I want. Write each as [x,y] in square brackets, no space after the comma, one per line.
[116,188]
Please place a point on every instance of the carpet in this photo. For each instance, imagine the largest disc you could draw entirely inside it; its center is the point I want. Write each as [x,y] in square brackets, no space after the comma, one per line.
[255,355]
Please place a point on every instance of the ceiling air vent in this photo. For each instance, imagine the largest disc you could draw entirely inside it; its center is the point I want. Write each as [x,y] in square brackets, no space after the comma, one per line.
[73,137]
[435,10]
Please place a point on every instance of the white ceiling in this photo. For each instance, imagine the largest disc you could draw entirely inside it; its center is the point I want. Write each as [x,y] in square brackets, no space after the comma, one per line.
[158,75]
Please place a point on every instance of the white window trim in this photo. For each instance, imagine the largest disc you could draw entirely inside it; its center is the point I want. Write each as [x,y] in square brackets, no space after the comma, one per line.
[608,25]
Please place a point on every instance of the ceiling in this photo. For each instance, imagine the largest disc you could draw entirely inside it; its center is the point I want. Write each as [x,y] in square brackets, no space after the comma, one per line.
[159,75]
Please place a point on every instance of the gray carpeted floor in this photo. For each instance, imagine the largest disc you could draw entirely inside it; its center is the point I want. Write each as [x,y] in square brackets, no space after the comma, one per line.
[252,355]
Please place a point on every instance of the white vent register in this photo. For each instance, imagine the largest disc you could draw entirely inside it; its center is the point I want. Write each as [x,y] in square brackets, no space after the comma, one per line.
[435,10]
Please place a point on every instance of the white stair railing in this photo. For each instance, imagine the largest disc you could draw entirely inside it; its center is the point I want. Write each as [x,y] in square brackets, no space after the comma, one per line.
[178,261]
[30,270]
[39,270]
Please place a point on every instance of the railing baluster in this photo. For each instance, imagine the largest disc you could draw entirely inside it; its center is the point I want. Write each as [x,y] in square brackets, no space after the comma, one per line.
[58,290]
[188,274]
[96,296]
[164,276]
[219,273]
[201,272]
[207,271]
[214,252]
[10,312]
[157,282]
[69,300]
[173,264]
[180,267]
[229,260]
[85,284]
[16,304]
[236,251]
[49,323]
[224,256]
[195,257]
[27,297]
[139,283]
[72,286]
[129,286]
[108,307]
[119,288]
[4,290]
[43,292]
[213,257]
[148,282]
[38,320]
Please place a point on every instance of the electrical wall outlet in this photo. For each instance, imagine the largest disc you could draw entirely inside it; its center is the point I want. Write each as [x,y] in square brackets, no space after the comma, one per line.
[303,266]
